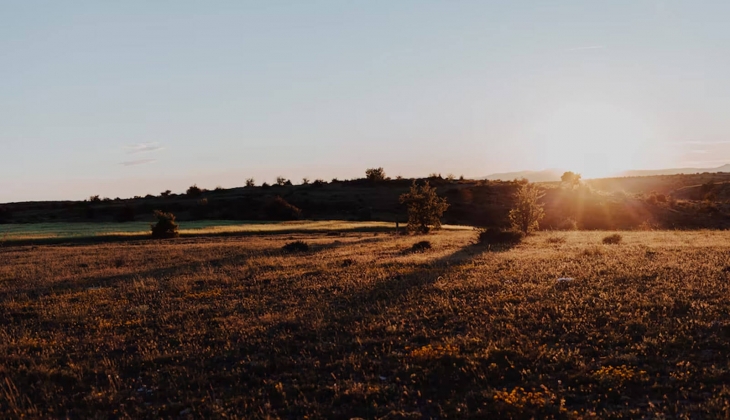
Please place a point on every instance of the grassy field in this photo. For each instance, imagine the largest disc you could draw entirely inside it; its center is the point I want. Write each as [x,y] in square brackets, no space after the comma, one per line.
[59,232]
[359,326]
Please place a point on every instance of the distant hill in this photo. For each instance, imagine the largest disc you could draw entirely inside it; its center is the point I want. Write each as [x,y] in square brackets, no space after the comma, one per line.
[552,175]
[676,171]
[547,175]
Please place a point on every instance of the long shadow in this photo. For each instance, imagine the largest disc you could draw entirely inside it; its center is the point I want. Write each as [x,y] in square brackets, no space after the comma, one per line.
[101,239]
[162,272]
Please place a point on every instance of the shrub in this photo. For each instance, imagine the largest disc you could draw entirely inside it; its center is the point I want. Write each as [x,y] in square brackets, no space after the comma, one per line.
[421,246]
[165,193]
[527,213]
[194,191]
[305,181]
[613,239]
[375,174]
[424,206]
[280,180]
[250,182]
[126,214]
[165,226]
[319,182]
[95,199]
[297,246]
[493,236]
[570,178]
[265,185]
[280,209]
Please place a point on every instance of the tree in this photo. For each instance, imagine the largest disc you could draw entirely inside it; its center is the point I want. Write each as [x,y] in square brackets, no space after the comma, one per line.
[425,207]
[194,191]
[165,193]
[375,174]
[305,181]
[250,182]
[527,212]
[280,180]
[570,178]
[165,226]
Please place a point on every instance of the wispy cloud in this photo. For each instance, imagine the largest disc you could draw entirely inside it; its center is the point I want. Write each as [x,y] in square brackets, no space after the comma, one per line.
[703,142]
[706,162]
[143,147]
[590,47]
[138,162]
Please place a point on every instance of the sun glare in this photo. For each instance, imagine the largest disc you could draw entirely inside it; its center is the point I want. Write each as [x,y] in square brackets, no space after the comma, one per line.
[595,140]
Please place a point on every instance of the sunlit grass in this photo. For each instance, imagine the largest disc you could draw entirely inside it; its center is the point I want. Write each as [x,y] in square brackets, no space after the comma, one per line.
[12,232]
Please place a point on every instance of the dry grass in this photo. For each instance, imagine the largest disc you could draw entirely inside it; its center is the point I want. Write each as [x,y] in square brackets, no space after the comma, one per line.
[236,327]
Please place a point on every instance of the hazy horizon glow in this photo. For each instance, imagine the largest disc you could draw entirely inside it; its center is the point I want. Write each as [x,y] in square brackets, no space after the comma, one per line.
[130,98]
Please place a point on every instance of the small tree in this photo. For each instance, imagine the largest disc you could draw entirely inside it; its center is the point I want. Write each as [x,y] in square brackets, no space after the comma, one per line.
[375,174]
[250,182]
[305,181]
[194,191]
[527,213]
[165,193]
[280,180]
[570,178]
[425,207]
[165,226]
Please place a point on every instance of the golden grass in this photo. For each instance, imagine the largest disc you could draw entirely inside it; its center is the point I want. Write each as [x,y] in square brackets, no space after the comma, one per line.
[37,231]
[360,327]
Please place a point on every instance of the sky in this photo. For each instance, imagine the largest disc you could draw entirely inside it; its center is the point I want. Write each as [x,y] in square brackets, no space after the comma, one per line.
[137,97]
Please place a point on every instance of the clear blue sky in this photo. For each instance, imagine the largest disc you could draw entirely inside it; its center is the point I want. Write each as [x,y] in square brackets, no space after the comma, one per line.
[134,97]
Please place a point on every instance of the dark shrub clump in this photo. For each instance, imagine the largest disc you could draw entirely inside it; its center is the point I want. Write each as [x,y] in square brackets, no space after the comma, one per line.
[421,246]
[493,236]
[297,246]
[613,239]
[165,226]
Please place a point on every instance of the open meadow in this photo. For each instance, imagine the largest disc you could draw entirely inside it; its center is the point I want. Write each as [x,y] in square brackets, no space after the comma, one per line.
[361,326]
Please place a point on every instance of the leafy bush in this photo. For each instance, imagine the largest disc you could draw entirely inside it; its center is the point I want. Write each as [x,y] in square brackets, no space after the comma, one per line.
[421,246]
[297,246]
[613,239]
[424,206]
[375,174]
[527,213]
[250,182]
[280,180]
[95,199]
[493,236]
[165,226]
[165,193]
[280,209]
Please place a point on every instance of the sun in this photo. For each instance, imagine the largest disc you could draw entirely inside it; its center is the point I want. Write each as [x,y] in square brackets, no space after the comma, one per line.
[593,139]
